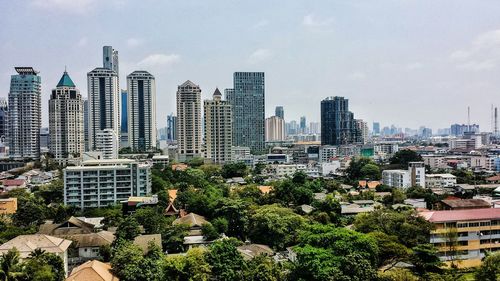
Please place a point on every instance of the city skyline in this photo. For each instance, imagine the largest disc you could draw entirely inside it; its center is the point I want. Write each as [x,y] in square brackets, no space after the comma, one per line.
[405,62]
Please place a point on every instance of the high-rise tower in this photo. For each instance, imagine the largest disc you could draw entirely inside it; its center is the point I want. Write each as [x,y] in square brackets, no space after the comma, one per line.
[25,114]
[337,122]
[141,89]
[189,134]
[218,129]
[66,124]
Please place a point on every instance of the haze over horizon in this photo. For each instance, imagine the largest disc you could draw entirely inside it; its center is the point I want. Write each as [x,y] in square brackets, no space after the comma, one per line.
[407,63]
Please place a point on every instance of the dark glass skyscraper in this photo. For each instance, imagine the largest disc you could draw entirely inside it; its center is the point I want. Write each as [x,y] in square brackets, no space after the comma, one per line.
[171,128]
[280,112]
[124,117]
[337,122]
[248,101]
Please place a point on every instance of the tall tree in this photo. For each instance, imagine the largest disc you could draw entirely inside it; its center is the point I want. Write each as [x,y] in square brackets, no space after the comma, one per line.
[226,262]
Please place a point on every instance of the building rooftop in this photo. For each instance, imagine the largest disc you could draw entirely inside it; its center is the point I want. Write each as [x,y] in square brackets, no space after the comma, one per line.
[65,81]
[26,244]
[466,203]
[191,219]
[440,176]
[462,215]
[92,270]
[26,70]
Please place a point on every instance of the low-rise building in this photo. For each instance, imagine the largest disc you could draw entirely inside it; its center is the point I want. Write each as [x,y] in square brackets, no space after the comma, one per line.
[478,231]
[414,176]
[462,204]
[440,180]
[92,270]
[102,183]
[8,206]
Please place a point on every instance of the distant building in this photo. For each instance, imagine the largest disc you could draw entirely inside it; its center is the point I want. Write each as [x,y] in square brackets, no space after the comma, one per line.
[337,122]
[66,125]
[25,114]
[4,123]
[440,180]
[376,128]
[100,183]
[361,131]
[141,89]
[460,129]
[189,131]
[303,126]
[280,112]
[86,123]
[414,176]
[107,143]
[124,120]
[171,128]
[275,128]
[218,129]
[248,100]
[110,58]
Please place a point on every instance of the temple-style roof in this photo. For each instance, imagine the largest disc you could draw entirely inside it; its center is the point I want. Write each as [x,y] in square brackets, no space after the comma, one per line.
[65,81]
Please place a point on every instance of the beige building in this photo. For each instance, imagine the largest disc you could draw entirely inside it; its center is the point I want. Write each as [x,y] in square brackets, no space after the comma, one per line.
[26,244]
[218,129]
[66,120]
[92,270]
[8,206]
[275,128]
[189,134]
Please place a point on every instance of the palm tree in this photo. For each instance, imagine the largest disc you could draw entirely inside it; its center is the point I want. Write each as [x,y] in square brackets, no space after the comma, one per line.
[10,267]
[37,253]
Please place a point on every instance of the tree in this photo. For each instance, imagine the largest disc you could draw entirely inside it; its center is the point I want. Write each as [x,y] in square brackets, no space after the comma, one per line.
[263,268]
[370,171]
[44,266]
[192,267]
[490,268]
[157,183]
[231,170]
[329,206]
[10,267]
[128,229]
[226,262]
[127,262]
[30,212]
[403,157]
[390,249]
[425,259]
[151,219]
[235,211]
[209,232]
[354,170]
[275,226]
[172,237]
[299,178]
[397,274]
[52,192]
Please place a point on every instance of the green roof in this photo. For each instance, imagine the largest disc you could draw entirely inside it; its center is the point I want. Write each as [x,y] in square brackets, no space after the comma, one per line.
[65,81]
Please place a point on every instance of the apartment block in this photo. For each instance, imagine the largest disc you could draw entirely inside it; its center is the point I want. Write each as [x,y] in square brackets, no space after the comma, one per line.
[440,180]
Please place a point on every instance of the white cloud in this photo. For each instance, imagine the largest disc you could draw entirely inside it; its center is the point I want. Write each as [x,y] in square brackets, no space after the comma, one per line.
[73,6]
[82,42]
[134,42]
[260,24]
[356,76]
[414,65]
[159,60]
[260,55]
[312,21]
[482,54]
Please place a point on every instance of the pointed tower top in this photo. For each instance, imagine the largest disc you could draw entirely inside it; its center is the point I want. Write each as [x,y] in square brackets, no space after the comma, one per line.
[65,80]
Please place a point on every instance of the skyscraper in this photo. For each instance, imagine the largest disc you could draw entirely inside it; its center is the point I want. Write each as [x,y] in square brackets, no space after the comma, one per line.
[361,131]
[141,89]
[303,125]
[337,122]
[280,112]
[171,128]
[66,120]
[104,103]
[376,128]
[218,129]
[124,120]
[86,123]
[110,58]
[275,128]
[189,134]
[4,114]
[248,100]
[25,114]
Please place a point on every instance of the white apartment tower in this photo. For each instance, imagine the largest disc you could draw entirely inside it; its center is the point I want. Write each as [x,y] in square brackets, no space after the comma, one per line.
[66,124]
[104,104]
[25,114]
[218,129]
[275,128]
[141,89]
[189,134]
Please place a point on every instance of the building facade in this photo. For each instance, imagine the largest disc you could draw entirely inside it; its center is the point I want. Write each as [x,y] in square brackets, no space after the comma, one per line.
[124,119]
[110,59]
[107,144]
[171,128]
[218,129]
[25,114]
[248,100]
[66,120]
[101,183]
[141,88]
[440,180]
[275,128]
[280,112]
[189,133]
[414,176]
[337,122]
[104,104]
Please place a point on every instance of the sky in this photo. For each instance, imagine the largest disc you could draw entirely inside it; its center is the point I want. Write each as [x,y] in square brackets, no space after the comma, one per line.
[403,62]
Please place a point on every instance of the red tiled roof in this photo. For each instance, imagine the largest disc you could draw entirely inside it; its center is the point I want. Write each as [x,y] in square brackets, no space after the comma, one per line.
[494,178]
[462,215]
[17,182]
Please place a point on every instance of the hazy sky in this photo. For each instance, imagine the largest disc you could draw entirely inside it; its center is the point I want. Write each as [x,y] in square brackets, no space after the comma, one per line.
[403,62]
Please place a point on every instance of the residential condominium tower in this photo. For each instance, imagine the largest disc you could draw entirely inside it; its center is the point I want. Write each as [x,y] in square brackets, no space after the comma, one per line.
[337,122]
[25,114]
[189,134]
[66,120]
[248,100]
[218,129]
[275,128]
[141,90]
[104,104]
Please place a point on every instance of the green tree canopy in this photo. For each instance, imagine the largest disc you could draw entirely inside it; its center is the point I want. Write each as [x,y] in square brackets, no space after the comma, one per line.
[226,262]
[405,156]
